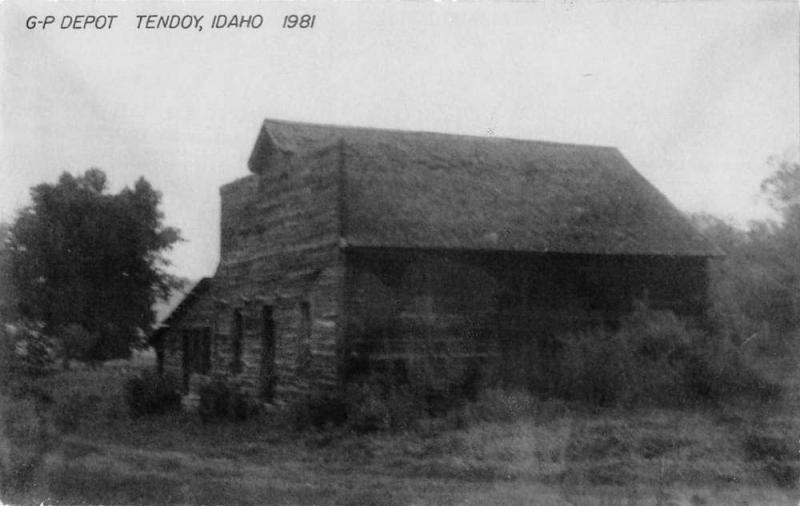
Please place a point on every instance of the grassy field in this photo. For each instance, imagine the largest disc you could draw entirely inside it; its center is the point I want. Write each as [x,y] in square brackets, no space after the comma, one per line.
[551,453]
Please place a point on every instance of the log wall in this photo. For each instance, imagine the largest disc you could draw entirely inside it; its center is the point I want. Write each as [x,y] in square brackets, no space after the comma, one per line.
[279,248]
[505,308]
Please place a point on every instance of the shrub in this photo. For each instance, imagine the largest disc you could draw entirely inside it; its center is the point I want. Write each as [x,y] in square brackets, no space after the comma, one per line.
[151,393]
[220,399]
[367,410]
[384,402]
[72,408]
[404,408]
[720,372]
[214,399]
[26,435]
[242,405]
[8,359]
[26,349]
[593,368]
[318,410]
[77,342]
[498,405]
[654,358]
[369,405]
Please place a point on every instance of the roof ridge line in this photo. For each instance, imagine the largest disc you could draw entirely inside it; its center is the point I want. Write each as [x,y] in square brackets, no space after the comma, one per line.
[268,121]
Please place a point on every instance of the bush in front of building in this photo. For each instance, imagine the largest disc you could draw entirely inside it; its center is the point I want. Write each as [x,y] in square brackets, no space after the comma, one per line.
[503,405]
[370,404]
[592,368]
[654,358]
[720,372]
[375,405]
[220,398]
[318,410]
[152,393]
[214,398]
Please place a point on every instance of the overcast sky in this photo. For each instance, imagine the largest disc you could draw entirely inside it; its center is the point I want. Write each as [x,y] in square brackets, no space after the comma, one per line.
[697,95]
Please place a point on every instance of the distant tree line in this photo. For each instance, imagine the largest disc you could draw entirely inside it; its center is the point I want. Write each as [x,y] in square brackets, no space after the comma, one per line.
[755,287]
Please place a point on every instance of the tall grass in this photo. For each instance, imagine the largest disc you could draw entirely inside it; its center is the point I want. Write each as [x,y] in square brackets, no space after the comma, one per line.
[499,441]
[27,434]
[40,404]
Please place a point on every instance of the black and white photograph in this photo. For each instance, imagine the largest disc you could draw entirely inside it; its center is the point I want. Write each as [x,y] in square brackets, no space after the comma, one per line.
[400,252]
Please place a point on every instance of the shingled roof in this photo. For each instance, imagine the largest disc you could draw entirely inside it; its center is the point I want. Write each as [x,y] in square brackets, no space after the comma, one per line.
[432,190]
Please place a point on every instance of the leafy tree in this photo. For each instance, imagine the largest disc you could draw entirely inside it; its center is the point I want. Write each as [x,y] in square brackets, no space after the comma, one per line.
[783,186]
[783,245]
[755,289]
[749,297]
[83,258]
[8,297]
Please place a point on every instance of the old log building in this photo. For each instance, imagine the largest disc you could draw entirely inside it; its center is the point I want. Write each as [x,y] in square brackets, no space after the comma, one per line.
[350,249]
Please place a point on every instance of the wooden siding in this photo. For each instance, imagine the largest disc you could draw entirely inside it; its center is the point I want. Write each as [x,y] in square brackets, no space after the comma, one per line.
[409,249]
[505,308]
[279,247]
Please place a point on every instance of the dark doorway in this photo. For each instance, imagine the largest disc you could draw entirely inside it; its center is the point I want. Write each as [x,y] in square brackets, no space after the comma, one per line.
[187,360]
[196,353]
[267,354]
[236,344]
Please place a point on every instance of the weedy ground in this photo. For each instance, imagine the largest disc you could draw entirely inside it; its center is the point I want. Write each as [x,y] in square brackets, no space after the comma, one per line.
[549,453]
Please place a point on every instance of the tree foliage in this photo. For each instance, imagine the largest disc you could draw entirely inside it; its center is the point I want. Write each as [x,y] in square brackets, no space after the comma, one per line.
[81,256]
[756,287]
[7,293]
